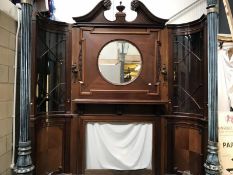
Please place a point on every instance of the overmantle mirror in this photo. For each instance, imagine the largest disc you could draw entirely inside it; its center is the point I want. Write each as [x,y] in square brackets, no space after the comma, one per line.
[119,62]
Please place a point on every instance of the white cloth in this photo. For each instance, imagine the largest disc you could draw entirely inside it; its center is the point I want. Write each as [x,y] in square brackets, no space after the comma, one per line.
[119,146]
[225,78]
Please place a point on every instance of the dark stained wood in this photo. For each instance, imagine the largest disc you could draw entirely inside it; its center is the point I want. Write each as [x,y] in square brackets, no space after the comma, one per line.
[120,109]
[197,27]
[151,41]
[52,25]
[186,133]
[52,143]
[93,87]
[185,144]
[144,19]
[45,25]
[58,137]
[50,132]
[190,27]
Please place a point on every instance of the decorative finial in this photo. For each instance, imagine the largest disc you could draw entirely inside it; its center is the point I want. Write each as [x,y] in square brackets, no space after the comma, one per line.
[120,7]
[120,15]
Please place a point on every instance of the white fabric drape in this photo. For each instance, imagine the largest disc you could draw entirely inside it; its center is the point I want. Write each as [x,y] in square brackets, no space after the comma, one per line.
[119,146]
[225,78]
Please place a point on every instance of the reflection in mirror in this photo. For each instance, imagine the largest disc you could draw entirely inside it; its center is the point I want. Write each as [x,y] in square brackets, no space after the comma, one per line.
[119,62]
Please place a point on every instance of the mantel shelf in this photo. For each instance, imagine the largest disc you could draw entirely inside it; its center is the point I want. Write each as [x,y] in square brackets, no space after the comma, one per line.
[112,101]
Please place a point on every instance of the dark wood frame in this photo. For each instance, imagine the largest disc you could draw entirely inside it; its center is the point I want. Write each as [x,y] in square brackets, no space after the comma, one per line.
[43,23]
[95,25]
[154,120]
[185,29]
[74,119]
[138,88]
[60,119]
[96,18]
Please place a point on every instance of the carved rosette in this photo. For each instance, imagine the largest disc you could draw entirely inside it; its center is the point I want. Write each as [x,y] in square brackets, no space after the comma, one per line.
[107,4]
[134,5]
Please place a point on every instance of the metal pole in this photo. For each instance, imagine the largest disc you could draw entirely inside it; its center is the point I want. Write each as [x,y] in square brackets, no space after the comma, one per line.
[212,165]
[24,163]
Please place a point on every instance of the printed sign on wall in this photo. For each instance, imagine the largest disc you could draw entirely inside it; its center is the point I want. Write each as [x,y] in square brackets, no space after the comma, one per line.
[225,131]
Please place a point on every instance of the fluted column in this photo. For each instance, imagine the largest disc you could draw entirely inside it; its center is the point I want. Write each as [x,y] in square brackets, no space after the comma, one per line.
[212,165]
[24,163]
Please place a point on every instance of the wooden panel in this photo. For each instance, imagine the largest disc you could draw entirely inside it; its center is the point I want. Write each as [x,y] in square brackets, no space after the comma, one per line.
[92,86]
[49,150]
[188,149]
[51,144]
[186,144]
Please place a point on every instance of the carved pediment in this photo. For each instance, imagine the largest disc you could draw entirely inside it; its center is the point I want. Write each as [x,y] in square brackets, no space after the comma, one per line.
[144,19]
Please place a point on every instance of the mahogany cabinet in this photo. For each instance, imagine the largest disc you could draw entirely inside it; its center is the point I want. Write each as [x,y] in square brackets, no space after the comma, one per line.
[133,53]
[92,33]
[102,71]
[187,126]
[50,119]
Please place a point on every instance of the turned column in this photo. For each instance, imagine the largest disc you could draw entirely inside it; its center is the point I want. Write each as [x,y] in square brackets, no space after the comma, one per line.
[24,163]
[212,165]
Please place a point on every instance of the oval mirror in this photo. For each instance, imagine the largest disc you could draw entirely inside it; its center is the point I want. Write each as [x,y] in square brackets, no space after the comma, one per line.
[119,62]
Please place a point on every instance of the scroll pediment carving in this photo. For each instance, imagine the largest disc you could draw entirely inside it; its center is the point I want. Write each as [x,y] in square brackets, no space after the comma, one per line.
[144,17]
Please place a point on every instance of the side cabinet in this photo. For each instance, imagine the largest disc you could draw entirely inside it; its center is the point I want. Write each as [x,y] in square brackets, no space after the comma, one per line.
[187,126]
[50,100]
[52,141]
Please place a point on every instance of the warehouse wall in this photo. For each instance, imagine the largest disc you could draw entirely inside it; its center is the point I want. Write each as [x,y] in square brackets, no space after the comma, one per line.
[7,52]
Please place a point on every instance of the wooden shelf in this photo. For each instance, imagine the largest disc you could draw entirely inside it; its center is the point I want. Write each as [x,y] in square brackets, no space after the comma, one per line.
[112,101]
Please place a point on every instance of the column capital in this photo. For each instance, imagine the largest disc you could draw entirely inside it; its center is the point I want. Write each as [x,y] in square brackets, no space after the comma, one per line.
[26,2]
[212,9]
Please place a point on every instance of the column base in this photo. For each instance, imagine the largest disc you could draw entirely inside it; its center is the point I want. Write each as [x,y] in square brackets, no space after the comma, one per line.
[212,165]
[24,161]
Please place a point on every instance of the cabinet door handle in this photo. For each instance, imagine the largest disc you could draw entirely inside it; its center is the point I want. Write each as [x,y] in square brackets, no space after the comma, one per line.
[164,72]
[174,76]
[75,71]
